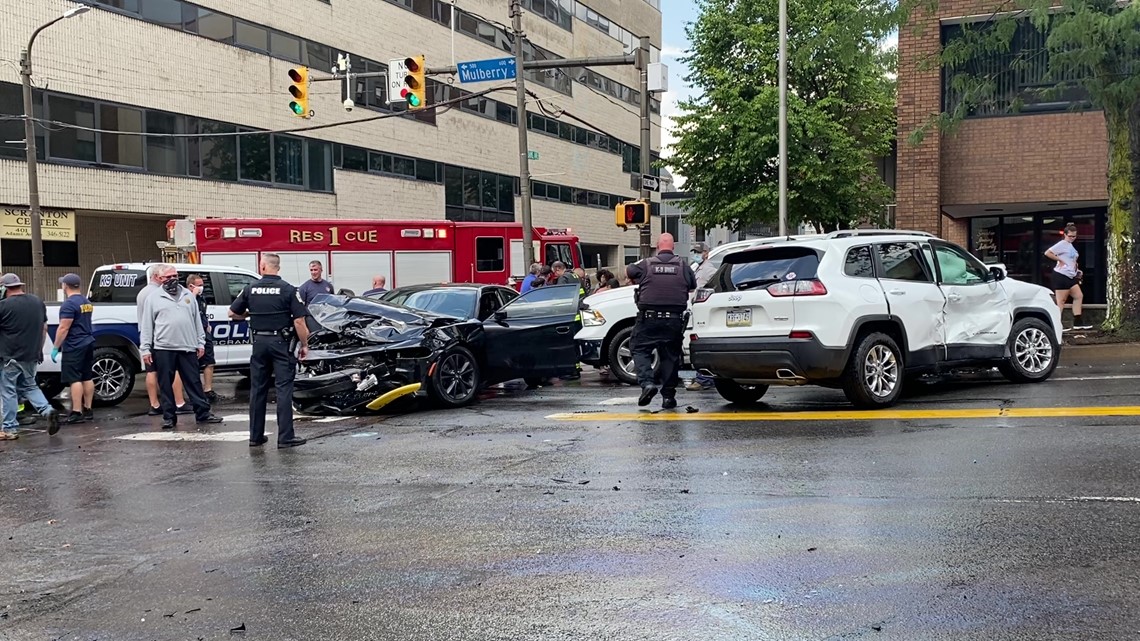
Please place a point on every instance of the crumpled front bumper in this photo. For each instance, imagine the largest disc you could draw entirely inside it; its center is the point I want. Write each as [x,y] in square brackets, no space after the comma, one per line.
[351,390]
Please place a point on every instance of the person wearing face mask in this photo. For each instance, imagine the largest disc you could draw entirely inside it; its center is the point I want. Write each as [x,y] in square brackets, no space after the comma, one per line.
[172,339]
[197,286]
[702,268]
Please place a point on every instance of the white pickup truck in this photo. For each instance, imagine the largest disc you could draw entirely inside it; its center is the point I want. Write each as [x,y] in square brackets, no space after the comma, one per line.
[113,291]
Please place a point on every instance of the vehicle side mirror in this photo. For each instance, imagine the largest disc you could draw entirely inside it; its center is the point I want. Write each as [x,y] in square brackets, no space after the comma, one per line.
[346,292]
[500,315]
[998,273]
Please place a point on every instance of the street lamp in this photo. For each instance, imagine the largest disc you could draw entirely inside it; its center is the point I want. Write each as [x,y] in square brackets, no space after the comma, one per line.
[783,189]
[38,279]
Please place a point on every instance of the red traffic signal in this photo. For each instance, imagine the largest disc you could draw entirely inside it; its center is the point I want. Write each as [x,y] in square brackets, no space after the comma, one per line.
[632,213]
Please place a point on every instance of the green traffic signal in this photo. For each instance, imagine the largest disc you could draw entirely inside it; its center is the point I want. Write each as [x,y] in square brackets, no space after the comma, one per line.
[297,108]
[413,100]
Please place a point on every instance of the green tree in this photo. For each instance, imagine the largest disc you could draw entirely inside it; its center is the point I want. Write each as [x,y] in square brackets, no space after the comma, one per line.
[841,112]
[1091,47]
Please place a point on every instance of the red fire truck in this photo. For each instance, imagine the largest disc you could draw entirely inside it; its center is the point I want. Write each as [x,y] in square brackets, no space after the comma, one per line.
[406,252]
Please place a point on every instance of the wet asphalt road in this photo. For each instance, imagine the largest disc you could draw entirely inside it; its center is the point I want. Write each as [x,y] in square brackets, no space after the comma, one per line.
[494,522]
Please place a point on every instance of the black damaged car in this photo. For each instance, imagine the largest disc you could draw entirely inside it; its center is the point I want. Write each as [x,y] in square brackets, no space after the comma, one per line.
[444,342]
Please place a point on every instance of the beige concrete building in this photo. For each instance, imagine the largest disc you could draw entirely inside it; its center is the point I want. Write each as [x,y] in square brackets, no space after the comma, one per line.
[220,66]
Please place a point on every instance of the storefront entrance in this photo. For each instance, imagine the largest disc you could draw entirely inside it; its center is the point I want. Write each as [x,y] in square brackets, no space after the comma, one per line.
[1020,241]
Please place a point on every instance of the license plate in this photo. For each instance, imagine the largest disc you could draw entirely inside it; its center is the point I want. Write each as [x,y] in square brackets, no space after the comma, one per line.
[739,318]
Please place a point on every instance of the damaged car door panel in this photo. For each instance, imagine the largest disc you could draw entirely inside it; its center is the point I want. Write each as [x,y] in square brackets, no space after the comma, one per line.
[365,348]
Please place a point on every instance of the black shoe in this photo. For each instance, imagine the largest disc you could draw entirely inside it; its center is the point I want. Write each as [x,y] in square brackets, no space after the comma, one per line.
[73,418]
[184,408]
[293,442]
[668,403]
[53,423]
[154,411]
[210,420]
[88,414]
[30,419]
[212,396]
[571,377]
[259,442]
[169,425]
[647,394]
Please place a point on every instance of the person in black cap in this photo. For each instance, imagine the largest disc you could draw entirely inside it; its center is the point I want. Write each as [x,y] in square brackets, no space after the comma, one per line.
[76,341]
[276,316]
[23,328]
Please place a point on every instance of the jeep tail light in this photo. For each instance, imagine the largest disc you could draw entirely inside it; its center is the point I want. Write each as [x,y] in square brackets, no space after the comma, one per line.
[703,294]
[800,334]
[811,287]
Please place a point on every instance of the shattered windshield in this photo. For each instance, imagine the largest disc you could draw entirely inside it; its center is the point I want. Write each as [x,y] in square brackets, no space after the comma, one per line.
[367,319]
[457,302]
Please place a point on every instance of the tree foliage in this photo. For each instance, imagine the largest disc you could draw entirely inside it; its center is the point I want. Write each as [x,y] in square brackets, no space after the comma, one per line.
[1091,51]
[841,112]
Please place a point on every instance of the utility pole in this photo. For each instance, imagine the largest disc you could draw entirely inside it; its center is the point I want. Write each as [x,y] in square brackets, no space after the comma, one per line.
[643,75]
[524,147]
[39,282]
[783,118]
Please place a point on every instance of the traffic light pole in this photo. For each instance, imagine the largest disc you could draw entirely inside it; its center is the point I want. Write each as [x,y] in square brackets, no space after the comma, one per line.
[644,233]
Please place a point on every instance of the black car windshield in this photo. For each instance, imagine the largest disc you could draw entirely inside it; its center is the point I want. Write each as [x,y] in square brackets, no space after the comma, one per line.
[457,302]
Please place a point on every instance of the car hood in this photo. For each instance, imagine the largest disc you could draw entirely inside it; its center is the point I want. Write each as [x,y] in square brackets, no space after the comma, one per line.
[373,321]
[621,293]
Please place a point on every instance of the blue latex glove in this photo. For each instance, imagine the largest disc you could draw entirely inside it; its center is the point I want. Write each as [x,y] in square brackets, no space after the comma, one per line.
[54,354]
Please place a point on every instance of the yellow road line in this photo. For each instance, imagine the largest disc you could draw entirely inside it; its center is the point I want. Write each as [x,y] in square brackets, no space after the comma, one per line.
[856,415]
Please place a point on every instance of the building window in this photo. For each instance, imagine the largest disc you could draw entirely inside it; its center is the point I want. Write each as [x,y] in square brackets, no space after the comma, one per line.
[1022,78]
[167,13]
[166,155]
[121,150]
[251,36]
[285,46]
[219,157]
[288,160]
[67,143]
[320,166]
[355,158]
[256,162]
[216,26]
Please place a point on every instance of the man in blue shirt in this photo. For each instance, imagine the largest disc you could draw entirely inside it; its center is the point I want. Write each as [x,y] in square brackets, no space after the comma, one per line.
[378,283]
[528,282]
[76,341]
[316,285]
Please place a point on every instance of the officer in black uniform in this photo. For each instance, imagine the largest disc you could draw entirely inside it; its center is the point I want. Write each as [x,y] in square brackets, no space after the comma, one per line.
[664,282]
[276,319]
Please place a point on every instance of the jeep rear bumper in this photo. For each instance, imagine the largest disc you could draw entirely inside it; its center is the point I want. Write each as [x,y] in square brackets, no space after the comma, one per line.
[778,360]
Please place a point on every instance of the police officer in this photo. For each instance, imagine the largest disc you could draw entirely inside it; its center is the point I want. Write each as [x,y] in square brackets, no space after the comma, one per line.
[664,282]
[276,318]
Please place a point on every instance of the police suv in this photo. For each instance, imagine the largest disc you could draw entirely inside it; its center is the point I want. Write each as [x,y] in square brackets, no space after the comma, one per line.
[864,311]
[113,292]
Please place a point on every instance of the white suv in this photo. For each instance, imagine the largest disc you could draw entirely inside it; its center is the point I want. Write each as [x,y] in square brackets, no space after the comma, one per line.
[860,310]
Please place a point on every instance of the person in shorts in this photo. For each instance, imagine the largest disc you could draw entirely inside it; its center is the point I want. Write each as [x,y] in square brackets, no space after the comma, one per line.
[75,340]
[1066,276]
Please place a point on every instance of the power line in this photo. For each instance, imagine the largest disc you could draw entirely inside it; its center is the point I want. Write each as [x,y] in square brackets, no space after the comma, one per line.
[46,124]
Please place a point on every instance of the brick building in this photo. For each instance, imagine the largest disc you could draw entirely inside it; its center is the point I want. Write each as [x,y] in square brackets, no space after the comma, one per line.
[216,66]
[1006,182]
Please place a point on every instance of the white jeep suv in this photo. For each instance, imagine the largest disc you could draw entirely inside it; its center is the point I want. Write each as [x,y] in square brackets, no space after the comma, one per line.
[861,310]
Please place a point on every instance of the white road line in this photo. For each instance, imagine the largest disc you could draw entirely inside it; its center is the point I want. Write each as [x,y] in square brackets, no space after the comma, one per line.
[226,437]
[620,400]
[329,419]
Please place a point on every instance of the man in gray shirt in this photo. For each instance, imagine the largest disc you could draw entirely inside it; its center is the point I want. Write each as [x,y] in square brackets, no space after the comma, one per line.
[172,339]
[153,285]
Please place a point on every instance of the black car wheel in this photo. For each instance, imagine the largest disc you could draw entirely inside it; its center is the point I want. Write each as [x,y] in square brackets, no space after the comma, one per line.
[620,357]
[734,392]
[874,375]
[456,378]
[114,376]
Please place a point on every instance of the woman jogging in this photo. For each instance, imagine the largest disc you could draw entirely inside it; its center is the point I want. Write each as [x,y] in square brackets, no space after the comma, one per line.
[1066,276]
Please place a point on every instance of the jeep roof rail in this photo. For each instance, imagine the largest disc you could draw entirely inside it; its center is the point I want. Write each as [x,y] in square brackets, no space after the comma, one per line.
[851,233]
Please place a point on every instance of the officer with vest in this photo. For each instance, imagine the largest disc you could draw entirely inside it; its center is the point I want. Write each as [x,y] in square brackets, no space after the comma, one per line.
[664,283]
[276,319]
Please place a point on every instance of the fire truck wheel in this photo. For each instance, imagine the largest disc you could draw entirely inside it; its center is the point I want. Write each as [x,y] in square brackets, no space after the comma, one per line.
[456,379]
[114,376]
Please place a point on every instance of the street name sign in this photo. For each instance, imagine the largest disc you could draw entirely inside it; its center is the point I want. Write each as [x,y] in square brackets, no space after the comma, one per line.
[487,70]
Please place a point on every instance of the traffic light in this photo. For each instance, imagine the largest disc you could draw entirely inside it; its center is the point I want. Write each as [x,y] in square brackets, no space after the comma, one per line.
[632,213]
[414,86]
[300,92]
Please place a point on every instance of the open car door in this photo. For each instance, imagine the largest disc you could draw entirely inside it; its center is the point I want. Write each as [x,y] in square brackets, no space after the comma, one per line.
[533,335]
